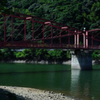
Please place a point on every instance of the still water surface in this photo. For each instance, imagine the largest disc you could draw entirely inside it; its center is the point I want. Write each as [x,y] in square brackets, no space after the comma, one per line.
[84,85]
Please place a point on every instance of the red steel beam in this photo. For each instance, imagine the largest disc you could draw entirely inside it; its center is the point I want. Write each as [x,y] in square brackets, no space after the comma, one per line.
[43,35]
[51,34]
[24,30]
[93,30]
[12,28]
[60,37]
[92,39]
[4,28]
[32,30]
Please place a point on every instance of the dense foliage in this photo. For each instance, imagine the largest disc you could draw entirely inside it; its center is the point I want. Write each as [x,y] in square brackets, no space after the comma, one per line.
[76,13]
[39,54]
[34,54]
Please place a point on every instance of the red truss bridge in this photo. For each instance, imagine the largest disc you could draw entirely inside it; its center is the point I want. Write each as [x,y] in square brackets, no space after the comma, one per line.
[26,31]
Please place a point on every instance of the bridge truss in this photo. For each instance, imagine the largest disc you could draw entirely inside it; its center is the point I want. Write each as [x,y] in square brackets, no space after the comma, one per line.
[26,31]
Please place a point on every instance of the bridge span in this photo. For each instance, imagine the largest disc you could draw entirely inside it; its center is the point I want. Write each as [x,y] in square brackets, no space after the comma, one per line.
[27,31]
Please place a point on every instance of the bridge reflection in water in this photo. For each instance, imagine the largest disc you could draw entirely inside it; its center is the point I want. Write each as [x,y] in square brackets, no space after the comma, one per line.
[85,84]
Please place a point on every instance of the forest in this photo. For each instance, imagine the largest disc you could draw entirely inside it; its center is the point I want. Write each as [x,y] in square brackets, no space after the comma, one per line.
[34,54]
[75,13]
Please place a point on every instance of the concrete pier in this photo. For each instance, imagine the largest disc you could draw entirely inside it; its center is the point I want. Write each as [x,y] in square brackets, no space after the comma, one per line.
[81,59]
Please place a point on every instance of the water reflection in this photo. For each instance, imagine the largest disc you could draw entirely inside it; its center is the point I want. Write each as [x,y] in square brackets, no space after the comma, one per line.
[75,81]
[81,83]
[85,84]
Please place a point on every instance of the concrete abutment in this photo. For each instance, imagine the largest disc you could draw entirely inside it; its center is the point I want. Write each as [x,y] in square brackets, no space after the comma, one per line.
[81,59]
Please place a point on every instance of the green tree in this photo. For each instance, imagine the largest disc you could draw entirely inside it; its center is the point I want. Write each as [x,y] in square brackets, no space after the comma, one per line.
[25,54]
[68,55]
[41,54]
[7,54]
[91,14]
[56,54]
[1,54]
[18,55]
[96,55]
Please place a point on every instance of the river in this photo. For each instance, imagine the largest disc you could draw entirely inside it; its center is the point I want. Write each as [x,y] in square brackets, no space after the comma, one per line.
[84,85]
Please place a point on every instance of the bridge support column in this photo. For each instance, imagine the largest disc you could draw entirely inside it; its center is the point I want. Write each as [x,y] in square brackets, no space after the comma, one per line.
[81,60]
[76,40]
[85,39]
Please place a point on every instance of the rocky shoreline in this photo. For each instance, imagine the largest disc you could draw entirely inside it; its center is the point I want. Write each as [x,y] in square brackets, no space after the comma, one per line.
[38,62]
[68,62]
[21,93]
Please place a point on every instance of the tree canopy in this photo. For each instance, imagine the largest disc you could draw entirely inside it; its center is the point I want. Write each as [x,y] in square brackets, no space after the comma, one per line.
[76,13]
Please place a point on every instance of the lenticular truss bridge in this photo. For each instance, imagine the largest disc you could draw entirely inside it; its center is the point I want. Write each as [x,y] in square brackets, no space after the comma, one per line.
[26,31]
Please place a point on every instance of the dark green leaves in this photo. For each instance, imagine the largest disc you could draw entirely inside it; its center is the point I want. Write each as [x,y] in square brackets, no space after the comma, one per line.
[3,4]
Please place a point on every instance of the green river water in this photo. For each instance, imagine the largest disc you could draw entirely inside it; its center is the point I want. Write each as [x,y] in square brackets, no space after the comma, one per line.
[84,85]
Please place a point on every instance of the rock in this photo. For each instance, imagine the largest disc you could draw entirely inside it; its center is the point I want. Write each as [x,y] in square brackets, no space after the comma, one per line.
[6,95]
[19,93]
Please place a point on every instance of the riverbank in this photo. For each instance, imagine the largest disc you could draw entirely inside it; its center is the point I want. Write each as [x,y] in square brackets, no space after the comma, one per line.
[68,62]
[21,93]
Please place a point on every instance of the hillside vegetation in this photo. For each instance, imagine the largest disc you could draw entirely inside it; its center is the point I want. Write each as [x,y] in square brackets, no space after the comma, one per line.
[76,13]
